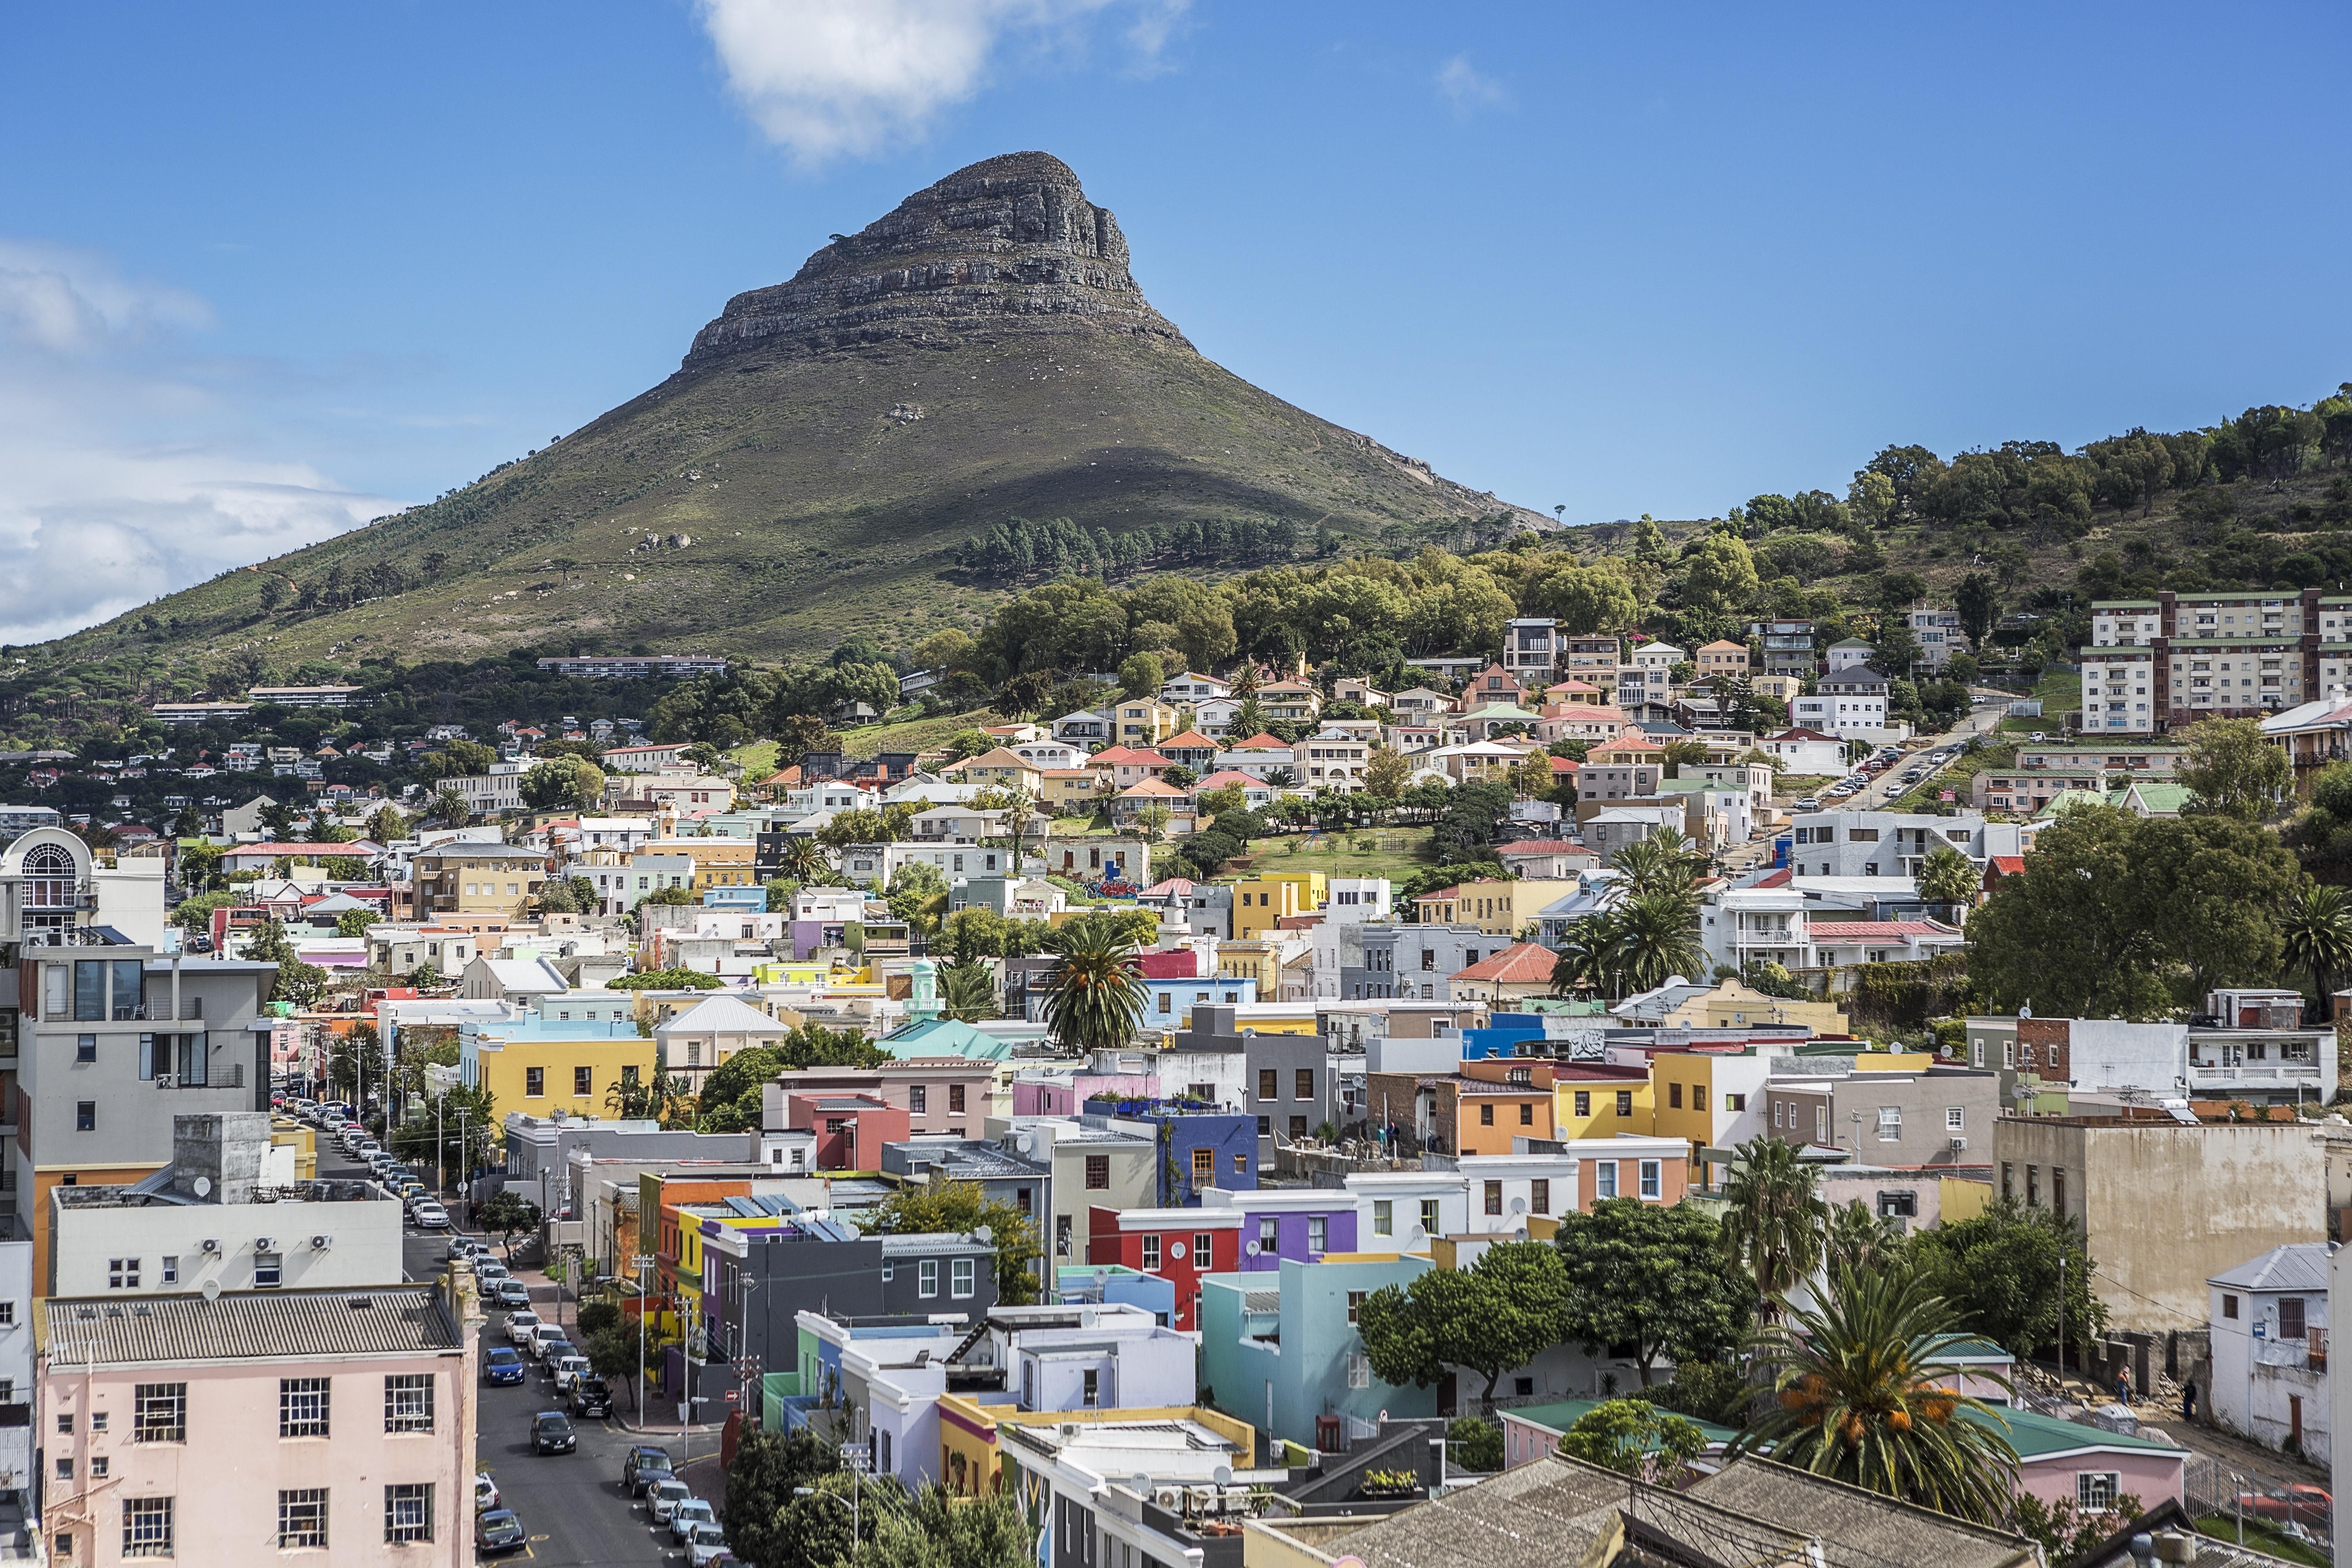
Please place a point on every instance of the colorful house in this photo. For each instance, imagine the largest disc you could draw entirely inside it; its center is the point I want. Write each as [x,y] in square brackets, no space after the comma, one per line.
[1292,1357]
[1182,1245]
[1262,902]
[1201,1146]
[542,1066]
[1289,1223]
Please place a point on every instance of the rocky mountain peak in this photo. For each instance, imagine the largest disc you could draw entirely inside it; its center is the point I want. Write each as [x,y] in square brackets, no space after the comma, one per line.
[1007,245]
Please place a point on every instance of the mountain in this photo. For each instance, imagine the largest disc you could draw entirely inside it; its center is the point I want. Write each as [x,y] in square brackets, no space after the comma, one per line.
[981,354]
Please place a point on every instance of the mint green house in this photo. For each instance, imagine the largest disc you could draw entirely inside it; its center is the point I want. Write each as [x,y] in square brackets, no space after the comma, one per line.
[1280,1349]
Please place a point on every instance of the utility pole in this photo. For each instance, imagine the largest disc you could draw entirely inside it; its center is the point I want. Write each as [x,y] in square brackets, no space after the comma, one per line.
[643,1261]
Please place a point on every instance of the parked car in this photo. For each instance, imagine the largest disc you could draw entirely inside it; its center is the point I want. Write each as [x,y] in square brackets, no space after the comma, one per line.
[552,1432]
[694,1510]
[663,1495]
[643,1467]
[509,1293]
[432,1216]
[2301,1503]
[705,1543]
[542,1334]
[499,1531]
[488,1270]
[520,1324]
[485,1492]
[592,1395]
[569,1371]
[503,1366]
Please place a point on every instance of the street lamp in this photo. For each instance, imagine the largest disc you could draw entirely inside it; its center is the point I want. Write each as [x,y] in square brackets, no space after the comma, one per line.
[641,1262]
[854,1474]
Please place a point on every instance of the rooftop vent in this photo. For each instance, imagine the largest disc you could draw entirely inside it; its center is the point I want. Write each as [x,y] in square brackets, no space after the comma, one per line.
[361,1303]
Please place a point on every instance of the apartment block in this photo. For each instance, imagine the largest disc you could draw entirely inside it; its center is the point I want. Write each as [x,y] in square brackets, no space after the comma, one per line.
[2187,656]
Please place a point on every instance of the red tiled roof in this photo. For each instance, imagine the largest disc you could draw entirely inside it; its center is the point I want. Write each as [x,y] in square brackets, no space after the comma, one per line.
[1130,754]
[1865,931]
[1801,734]
[1224,776]
[1262,741]
[1191,740]
[2008,865]
[275,848]
[1540,847]
[1564,765]
[1521,964]
[1777,879]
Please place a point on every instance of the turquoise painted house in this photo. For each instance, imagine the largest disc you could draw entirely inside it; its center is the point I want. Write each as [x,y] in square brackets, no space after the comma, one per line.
[1278,1351]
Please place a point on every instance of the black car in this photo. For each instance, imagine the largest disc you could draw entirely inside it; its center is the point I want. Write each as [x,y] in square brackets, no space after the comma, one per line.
[645,1468]
[592,1396]
[499,1531]
[552,1432]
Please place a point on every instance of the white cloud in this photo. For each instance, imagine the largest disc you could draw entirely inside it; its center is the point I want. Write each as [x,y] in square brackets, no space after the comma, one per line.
[1468,88]
[834,78]
[128,466]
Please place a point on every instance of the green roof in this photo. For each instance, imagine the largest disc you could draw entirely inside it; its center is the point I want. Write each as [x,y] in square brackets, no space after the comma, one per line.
[1563,1414]
[945,1037]
[2039,1437]
[2161,798]
[1974,1351]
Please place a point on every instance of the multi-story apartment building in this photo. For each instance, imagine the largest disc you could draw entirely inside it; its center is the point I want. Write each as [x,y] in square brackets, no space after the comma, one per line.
[2176,658]
[1918,1118]
[1851,702]
[340,1421]
[1938,634]
[1530,647]
[1723,657]
[1889,843]
[1589,657]
[483,880]
[1787,646]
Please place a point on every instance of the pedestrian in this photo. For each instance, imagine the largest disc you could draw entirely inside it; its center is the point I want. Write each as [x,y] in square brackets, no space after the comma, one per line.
[2123,1387]
[2188,1402]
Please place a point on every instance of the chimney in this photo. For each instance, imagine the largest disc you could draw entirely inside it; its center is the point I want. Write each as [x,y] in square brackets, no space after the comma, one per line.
[224,1150]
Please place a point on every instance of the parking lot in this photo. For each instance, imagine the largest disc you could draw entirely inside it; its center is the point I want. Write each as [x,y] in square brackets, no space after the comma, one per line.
[572,1506]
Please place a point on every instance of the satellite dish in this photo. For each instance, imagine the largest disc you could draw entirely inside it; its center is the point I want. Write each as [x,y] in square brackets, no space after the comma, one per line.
[204,1185]
[982,1232]
[1176,1249]
[1518,1206]
[212,1290]
[1419,1234]
[1222,1475]
[1250,1247]
[1139,1484]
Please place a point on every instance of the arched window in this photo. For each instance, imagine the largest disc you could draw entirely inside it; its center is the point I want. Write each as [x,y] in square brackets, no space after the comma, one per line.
[49,879]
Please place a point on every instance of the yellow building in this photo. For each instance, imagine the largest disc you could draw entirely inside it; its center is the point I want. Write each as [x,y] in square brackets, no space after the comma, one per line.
[1735,1005]
[1002,768]
[718,862]
[1699,1096]
[1258,961]
[1601,1107]
[1495,906]
[969,1448]
[540,1067]
[1263,900]
[1142,721]
[475,880]
[287,1133]
[1071,789]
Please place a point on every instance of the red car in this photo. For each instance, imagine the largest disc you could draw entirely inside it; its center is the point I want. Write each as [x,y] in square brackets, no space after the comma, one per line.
[2302,1504]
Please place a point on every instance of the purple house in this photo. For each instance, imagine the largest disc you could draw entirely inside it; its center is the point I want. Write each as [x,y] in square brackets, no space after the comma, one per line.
[1067,1096]
[1279,1222]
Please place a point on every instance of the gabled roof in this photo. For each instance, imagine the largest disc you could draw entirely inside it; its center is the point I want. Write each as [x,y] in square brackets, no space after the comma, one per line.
[1190,740]
[2297,1265]
[1130,756]
[722,1014]
[1723,645]
[997,757]
[1800,733]
[2008,865]
[1150,787]
[1261,741]
[1521,964]
[1541,847]
[1224,776]
[259,1325]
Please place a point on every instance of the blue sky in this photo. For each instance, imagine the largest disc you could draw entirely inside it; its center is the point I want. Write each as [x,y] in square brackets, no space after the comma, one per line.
[265,271]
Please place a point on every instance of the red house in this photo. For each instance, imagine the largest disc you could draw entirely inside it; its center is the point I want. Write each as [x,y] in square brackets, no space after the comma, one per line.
[1177,1245]
[850,1128]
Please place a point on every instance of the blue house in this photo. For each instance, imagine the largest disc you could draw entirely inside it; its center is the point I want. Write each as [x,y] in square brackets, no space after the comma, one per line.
[1282,1358]
[1201,1145]
[737,900]
[1117,1285]
[1509,1035]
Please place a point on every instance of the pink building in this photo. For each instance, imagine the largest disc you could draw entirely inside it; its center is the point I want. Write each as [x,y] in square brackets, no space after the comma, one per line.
[940,1095]
[850,1128]
[260,1421]
[1065,1096]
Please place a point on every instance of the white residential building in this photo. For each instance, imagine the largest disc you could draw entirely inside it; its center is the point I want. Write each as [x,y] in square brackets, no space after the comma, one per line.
[1891,844]
[2268,1326]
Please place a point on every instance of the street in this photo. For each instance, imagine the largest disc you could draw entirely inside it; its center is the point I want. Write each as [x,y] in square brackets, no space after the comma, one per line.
[572,1505]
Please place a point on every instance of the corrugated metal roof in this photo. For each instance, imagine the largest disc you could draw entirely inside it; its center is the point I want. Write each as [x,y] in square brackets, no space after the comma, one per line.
[2297,1265]
[250,1325]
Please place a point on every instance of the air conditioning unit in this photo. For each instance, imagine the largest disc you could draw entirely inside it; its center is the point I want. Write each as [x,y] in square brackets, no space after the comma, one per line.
[1959,1144]
[321,1243]
[264,1244]
[1169,1498]
[210,1246]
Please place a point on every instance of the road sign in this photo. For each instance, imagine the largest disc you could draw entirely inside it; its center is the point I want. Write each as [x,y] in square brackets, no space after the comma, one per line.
[733,1398]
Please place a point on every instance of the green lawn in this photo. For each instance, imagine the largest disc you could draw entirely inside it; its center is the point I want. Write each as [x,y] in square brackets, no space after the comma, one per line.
[2261,1537]
[759,758]
[2061,693]
[1394,853]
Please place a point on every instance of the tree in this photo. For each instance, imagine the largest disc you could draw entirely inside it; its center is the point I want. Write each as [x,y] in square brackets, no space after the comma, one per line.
[2233,769]
[1142,674]
[1650,1277]
[1978,601]
[1864,1391]
[449,808]
[730,1100]
[1476,1445]
[934,1528]
[1634,1437]
[1721,576]
[1773,1218]
[798,734]
[959,1208]
[1386,772]
[1859,1241]
[1503,1312]
[563,784]
[2001,1270]
[757,1507]
[612,1352]
[2065,1534]
[1152,820]
[355,922]
[1948,878]
[665,980]
[1656,939]
[1662,863]
[1095,995]
[507,1214]
[661,1097]
[966,991]
[2316,934]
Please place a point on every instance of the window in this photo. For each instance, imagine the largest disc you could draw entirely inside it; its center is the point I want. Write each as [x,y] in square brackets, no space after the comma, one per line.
[302,1407]
[955,1099]
[1204,1166]
[1204,1246]
[2032,1187]
[1902,1204]
[147,1527]
[1151,1252]
[122,1274]
[2229,1310]
[268,1268]
[960,1277]
[1673,1097]
[85,1047]
[1383,1216]
[66,1420]
[1625,1102]
[1604,1178]
[408,1513]
[1092,1394]
[1269,1085]
[2058,1188]
[1268,1232]
[1303,1088]
[2095,1490]
[1584,1102]
[1539,1195]
[65,1466]
[1097,1172]
[628,1074]
[1359,1370]
[98,1466]
[534,1082]
[2290,1325]
[1318,1234]
[160,1413]
[409,1402]
[1527,1113]
[1486,1115]
[86,1116]
[167,1273]
[1955,1119]
[302,1518]
[1429,1216]
[1890,1124]
[1653,1173]
[1356,1303]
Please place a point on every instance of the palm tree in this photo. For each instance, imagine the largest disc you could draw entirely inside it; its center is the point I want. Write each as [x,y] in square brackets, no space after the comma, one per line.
[1589,956]
[1094,996]
[1860,1242]
[966,991]
[1948,878]
[2317,926]
[1864,1391]
[1663,863]
[804,859]
[1773,1227]
[1657,939]
[658,1099]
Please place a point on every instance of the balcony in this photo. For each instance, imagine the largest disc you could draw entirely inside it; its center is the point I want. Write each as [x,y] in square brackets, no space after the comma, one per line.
[2307,1354]
[229,1075]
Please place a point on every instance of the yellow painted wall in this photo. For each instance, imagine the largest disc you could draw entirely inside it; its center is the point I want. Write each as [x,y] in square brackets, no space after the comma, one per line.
[1964,1199]
[505,1065]
[1259,901]
[1693,1123]
[982,1457]
[1603,1122]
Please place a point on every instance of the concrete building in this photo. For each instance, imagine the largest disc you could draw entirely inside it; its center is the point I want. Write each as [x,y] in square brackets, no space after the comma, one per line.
[2269,1324]
[228,1213]
[340,1421]
[1416,961]
[485,882]
[1093,1163]
[2158,664]
[17,1368]
[1182,1245]
[2165,1206]
[543,1066]
[1851,703]
[1285,1353]
[543,1152]
[2250,1046]
[1936,1117]
[1890,843]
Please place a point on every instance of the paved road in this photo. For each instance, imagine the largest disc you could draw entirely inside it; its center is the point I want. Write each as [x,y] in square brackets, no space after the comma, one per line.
[571,1504]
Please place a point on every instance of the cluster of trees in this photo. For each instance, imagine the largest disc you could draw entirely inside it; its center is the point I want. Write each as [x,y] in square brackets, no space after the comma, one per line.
[339,587]
[787,1505]
[1056,547]
[1648,935]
